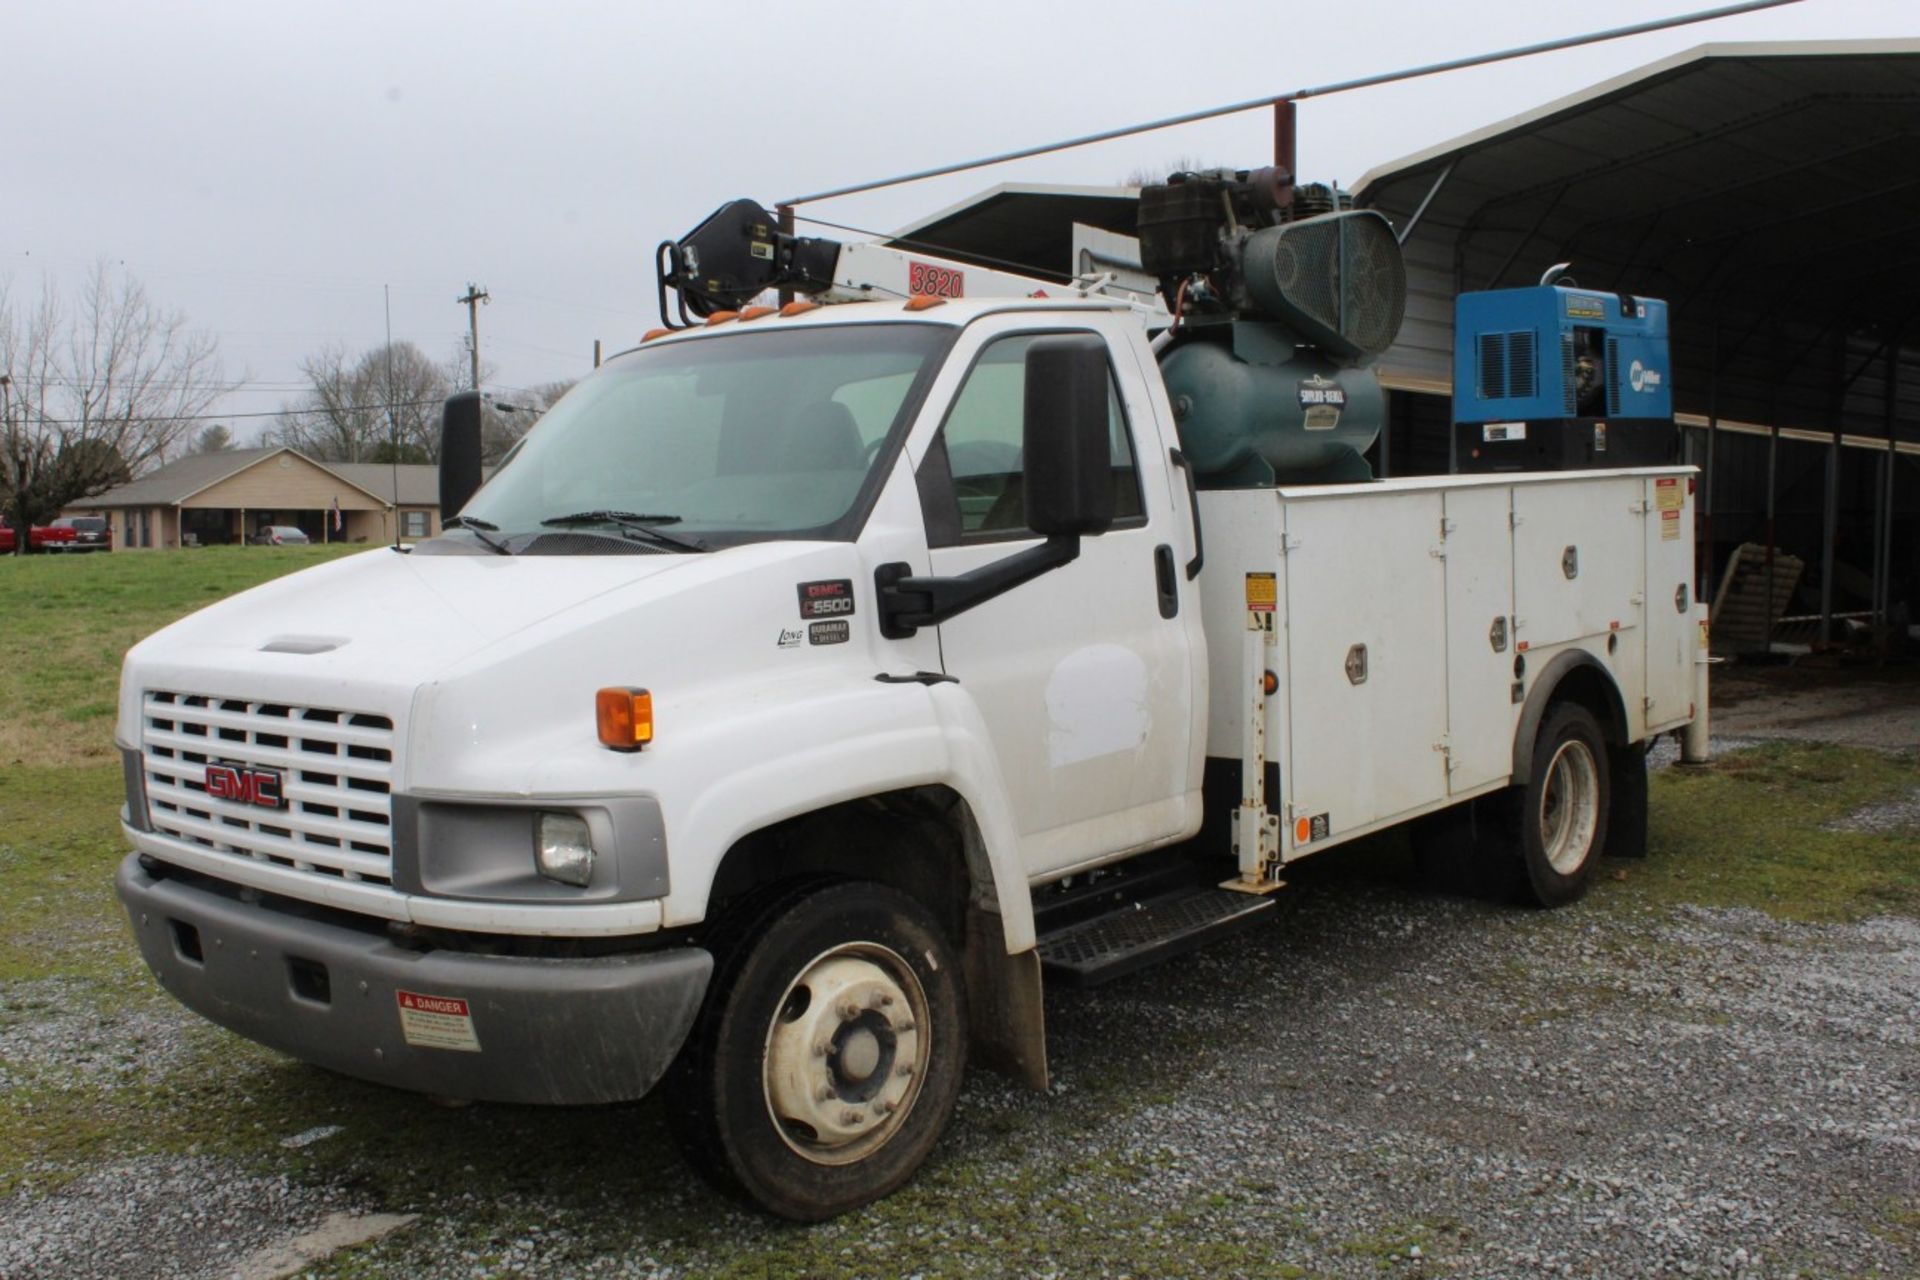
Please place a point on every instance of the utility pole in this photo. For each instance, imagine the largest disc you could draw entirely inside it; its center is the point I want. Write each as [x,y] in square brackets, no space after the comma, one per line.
[474,296]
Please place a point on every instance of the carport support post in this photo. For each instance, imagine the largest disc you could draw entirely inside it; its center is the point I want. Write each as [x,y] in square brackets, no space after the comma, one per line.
[1713,431]
[1830,506]
[1885,549]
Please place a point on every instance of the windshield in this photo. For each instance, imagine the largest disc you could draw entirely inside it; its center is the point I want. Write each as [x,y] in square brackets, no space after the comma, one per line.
[735,439]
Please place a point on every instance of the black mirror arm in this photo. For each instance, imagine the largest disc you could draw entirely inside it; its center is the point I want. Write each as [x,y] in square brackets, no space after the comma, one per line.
[908,603]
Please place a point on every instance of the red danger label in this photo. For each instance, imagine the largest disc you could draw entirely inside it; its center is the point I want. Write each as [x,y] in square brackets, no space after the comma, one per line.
[434,1004]
[436,1022]
[937,282]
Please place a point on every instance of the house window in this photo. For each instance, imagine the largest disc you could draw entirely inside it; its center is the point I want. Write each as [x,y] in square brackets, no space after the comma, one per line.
[146,527]
[126,539]
[413,524]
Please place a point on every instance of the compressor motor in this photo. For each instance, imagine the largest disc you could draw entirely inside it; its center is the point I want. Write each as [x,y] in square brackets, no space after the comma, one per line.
[1283,295]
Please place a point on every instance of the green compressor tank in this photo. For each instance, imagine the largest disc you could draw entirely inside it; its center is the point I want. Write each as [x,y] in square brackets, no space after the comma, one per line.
[1255,408]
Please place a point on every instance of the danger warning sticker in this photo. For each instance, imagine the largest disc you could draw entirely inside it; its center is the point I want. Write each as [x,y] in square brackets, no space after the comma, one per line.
[436,1022]
[1262,595]
[1668,495]
[1669,526]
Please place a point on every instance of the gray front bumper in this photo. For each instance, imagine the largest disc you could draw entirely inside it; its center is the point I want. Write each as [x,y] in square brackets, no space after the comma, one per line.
[548,1031]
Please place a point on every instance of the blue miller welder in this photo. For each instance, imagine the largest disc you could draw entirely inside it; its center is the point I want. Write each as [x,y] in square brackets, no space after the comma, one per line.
[1560,378]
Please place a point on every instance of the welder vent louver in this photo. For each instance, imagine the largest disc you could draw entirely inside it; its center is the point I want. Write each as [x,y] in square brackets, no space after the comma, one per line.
[1338,280]
[1567,383]
[1506,365]
[335,767]
[1613,377]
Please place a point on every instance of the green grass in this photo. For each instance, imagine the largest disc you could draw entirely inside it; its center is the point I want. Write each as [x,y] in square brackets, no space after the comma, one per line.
[70,619]
[1751,830]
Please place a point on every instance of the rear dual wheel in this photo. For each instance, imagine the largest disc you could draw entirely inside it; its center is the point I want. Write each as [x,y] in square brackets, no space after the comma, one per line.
[1561,817]
[829,1055]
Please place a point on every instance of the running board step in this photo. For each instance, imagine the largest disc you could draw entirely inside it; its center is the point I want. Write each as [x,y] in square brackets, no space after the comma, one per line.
[1137,934]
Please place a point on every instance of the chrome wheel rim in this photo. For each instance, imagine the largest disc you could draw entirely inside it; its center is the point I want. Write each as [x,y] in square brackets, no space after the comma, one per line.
[1570,807]
[846,1053]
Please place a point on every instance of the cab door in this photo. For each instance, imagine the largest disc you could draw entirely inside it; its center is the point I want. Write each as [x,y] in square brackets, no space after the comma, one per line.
[1088,677]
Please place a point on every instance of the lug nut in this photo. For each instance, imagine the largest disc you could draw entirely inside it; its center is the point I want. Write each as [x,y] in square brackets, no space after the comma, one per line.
[851,1117]
[825,1094]
[849,1011]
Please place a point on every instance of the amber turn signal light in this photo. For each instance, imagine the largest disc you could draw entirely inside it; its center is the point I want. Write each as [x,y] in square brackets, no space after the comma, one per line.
[625,717]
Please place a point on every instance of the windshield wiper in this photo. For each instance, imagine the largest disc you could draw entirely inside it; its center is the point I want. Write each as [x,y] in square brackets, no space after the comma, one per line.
[479,529]
[632,522]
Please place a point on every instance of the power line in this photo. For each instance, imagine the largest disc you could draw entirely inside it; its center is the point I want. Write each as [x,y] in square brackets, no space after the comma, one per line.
[223,417]
[1317,91]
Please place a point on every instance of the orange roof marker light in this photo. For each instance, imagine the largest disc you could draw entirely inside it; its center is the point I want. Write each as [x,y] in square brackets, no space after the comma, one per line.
[754,313]
[624,717]
[721,317]
[1302,831]
[799,307]
[924,302]
[651,334]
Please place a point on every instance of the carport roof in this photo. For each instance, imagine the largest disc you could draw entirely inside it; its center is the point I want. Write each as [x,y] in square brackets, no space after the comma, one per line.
[1771,191]
[1021,226]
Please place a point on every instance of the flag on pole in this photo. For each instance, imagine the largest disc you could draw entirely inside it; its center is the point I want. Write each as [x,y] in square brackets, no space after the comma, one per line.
[338,519]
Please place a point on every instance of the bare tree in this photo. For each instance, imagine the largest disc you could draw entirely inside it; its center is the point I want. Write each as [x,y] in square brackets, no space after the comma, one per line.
[360,408]
[505,418]
[1179,164]
[93,392]
[380,406]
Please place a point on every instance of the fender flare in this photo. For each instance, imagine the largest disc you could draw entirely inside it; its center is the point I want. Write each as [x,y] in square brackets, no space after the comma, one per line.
[947,747]
[1545,685]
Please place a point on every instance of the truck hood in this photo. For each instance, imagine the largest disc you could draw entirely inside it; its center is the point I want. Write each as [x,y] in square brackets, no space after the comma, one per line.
[370,631]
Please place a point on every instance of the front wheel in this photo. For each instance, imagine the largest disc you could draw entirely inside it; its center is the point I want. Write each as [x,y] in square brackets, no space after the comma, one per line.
[829,1056]
[1562,811]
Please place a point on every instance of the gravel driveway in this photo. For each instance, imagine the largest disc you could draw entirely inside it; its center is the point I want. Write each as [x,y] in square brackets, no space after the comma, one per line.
[1377,1081]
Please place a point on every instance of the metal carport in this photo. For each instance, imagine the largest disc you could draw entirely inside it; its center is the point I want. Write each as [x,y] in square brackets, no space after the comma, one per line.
[1769,192]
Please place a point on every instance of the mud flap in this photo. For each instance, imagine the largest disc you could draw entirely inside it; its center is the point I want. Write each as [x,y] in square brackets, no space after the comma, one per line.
[1627,812]
[1008,1030]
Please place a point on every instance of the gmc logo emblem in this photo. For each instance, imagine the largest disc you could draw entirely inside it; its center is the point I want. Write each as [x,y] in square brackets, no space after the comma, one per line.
[243,784]
[831,598]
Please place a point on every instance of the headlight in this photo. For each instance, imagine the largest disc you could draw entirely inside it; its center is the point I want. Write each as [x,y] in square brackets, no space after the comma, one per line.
[563,848]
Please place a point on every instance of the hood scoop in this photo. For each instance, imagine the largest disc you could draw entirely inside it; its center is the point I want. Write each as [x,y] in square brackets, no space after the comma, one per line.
[303,644]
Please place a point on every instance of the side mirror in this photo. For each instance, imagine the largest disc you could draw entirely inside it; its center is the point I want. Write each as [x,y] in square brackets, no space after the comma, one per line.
[459,452]
[1069,467]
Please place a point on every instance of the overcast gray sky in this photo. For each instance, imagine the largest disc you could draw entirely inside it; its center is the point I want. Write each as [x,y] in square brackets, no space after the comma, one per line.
[267,167]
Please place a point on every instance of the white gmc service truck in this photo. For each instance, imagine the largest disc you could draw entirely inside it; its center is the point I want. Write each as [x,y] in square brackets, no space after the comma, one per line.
[812,683]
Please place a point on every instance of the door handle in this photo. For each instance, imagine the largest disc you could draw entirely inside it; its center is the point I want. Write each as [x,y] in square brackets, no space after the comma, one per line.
[1185,464]
[1167,581]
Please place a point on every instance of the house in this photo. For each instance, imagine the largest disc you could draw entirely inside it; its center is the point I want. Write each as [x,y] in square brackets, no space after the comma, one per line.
[213,498]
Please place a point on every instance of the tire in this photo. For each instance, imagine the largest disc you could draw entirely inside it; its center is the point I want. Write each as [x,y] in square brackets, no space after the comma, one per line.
[828,1057]
[1561,816]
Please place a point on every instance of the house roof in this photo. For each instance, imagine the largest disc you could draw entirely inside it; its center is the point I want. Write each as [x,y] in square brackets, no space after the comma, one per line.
[418,486]
[196,473]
